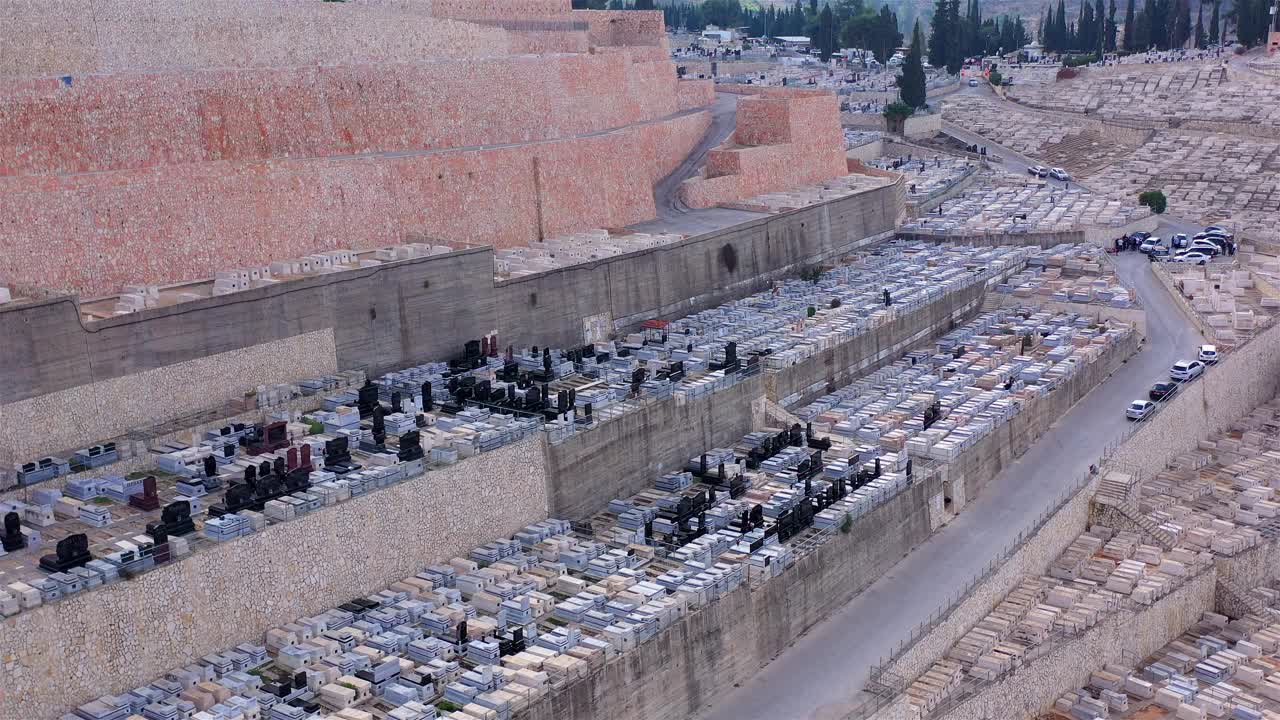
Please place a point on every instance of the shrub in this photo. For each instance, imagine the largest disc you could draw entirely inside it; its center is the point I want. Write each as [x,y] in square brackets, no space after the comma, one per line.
[446,706]
[847,524]
[1155,200]
[1078,60]
[995,78]
[812,311]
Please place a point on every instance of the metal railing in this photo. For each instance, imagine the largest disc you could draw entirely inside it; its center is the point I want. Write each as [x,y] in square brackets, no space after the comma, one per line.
[944,610]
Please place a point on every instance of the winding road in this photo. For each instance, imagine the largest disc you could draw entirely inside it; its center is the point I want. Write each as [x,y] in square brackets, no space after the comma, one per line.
[821,675]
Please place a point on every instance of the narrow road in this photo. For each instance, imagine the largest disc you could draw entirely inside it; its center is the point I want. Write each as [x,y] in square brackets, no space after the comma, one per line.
[820,677]
[724,116]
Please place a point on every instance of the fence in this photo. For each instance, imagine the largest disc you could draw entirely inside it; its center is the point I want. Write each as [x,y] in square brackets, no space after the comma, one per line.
[883,685]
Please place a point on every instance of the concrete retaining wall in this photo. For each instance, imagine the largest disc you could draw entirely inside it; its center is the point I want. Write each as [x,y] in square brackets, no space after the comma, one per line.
[840,365]
[404,313]
[991,455]
[1031,689]
[623,456]
[1240,382]
[68,652]
[724,643]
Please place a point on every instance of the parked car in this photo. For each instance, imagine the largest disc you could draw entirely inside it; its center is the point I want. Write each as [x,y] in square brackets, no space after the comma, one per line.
[1038,171]
[1163,390]
[1206,247]
[1179,241]
[1059,174]
[1139,236]
[1160,254]
[1208,354]
[1219,230]
[1195,257]
[1139,409]
[1186,370]
[1151,243]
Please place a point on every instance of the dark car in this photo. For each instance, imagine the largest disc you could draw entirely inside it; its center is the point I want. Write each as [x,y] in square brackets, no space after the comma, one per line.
[1163,390]
[1159,254]
[1139,237]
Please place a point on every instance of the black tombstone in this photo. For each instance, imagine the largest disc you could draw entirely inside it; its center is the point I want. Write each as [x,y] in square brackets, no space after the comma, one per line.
[73,551]
[12,540]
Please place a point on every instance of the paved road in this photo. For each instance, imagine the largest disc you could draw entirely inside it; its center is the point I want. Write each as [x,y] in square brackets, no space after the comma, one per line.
[724,115]
[821,675]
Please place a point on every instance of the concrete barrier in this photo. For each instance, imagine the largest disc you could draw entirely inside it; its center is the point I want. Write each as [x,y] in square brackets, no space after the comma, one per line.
[235,591]
[390,316]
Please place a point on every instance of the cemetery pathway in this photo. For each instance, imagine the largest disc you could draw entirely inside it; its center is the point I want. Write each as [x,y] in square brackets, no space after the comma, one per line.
[724,117]
[821,675]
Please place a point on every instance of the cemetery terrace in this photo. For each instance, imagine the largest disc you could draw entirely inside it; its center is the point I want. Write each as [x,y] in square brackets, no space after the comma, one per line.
[453,410]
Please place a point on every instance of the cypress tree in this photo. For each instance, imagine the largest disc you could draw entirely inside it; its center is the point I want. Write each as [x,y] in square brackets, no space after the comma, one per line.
[1060,27]
[1128,27]
[955,55]
[1215,35]
[1182,27]
[1200,38]
[1109,41]
[941,34]
[911,81]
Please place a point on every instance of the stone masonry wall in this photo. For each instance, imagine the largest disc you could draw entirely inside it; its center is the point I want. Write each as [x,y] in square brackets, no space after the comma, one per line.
[78,37]
[1244,379]
[1030,559]
[781,141]
[167,224]
[724,643]
[114,406]
[66,653]
[128,121]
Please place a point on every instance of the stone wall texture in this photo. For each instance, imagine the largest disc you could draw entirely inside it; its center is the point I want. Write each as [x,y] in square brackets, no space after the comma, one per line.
[1244,379]
[79,37]
[412,311]
[113,406]
[66,653]
[1030,559]
[724,643]
[782,139]
[181,222]
[137,120]
[1032,688]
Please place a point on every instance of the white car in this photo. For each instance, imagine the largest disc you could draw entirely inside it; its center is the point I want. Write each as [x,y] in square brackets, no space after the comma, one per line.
[1186,370]
[1208,354]
[1139,409]
[1149,244]
[1195,257]
[973,82]
[1038,171]
[1059,174]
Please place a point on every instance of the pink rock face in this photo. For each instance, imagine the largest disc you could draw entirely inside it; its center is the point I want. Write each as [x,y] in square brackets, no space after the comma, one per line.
[337,133]
[783,139]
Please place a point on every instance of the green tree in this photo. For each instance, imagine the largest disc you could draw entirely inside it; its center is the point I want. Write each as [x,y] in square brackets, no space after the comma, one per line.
[1155,200]
[1182,27]
[1215,34]
[955,51]
[723,13]
[1109,38]
[941,34]
[1128,28]
[911,81]
[644,5]
[589,4]
[1201,42]
[826,39]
